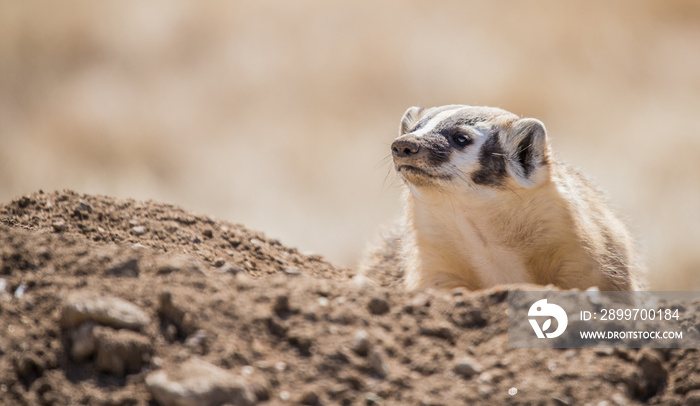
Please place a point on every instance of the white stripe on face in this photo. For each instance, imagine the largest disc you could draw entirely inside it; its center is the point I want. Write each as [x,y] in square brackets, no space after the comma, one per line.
[430,125]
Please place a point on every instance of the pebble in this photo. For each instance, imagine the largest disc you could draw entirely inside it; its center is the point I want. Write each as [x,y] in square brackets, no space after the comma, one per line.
[230,269]
[593,295]
[180,318]
[310,398]
[378,306]
[361,344]
[83,342]
[361,282]
[59,226]
[440,330]
[196,382]
[4,295]
[219,262]
[138,230]
[82,306]
[377,363]
[19,292]
[121,351]
[198,342]
[293,270]
[178,264]
[469,318]
[467,367]
[128,268]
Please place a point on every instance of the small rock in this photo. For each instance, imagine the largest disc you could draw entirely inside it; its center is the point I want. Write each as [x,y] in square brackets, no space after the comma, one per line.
[128,269]
[621,400]
[303,343]
[59,226]
[378,306]
[138,231]
[83,306]
[208,233]
[372,399]
[604,352]
[121,351]
[230,269]
[82,206]
[198,383]
[83,342]
[361,282]
[377,363]
[651,377]
[261,389]
[178,264]
[4,295]
[24,201]
[310,398]
[198,342]
[468,318]
[293,270]
[219,262]
[561,401]
[181,319]
[361,344]
[19,292]
[467,367]
[593,294]
[441,330]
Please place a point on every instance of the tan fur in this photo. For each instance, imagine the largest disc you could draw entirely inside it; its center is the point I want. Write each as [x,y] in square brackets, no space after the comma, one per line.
[548,226]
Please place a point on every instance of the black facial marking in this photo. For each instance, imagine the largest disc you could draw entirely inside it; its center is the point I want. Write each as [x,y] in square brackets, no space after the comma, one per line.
[437,148]
[493,163]
[457,138]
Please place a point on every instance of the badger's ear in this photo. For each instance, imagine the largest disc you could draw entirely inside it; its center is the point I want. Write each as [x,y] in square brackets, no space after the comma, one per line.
[527,152]
[409,119]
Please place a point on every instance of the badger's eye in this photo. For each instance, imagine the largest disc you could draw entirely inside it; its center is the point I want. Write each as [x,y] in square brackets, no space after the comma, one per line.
[461,140]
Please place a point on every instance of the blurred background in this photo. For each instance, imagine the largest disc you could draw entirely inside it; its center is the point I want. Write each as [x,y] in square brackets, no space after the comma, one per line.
[278,114]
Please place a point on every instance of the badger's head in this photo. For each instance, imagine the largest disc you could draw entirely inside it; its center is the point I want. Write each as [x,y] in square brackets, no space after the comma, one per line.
[453,147]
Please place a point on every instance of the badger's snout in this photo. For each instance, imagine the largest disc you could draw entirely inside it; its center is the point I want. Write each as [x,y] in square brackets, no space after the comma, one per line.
[405,147]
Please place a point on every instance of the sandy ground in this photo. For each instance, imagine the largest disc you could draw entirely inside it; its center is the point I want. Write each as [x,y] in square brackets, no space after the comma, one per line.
[116,302]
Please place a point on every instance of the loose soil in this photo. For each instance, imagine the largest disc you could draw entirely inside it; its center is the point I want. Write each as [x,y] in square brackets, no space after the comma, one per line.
[295,328]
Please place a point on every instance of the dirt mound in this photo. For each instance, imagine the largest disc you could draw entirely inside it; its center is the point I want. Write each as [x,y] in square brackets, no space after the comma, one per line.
[119,302]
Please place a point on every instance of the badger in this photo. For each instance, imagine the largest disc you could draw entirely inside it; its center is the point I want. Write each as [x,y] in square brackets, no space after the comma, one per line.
[486,203]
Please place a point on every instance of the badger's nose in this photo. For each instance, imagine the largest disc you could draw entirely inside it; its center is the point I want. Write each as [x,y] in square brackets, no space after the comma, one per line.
[404,148]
